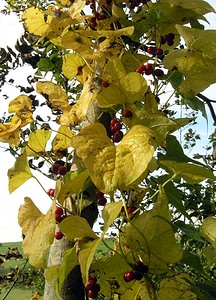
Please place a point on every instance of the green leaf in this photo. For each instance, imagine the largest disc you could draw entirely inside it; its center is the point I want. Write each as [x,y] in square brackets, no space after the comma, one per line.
[110,213]
[192,260]
[197,104]
[51,274]
[45,65]
[80,226]
[176,288]
[69,262]
[74,182]
[37,142]
[189,172]
[152,236]
[20,172]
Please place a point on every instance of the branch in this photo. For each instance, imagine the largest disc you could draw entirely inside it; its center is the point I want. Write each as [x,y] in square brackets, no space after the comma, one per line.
[209,103]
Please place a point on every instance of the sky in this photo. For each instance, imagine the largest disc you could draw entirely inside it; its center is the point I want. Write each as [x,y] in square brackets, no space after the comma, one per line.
[10,203]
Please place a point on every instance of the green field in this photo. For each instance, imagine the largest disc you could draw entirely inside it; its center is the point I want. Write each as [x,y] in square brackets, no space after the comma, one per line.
[10,264]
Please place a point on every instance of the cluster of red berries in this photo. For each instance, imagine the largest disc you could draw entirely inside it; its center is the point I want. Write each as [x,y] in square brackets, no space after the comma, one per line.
[59,168]
[115,127]
[101,198]
[153,51]
[135,3]
[148,69]
[168,38]
[59,216]
[92,287]
[139,269]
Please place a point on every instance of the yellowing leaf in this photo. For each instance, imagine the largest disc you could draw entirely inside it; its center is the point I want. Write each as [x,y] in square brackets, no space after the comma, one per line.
[57,96]
[123,87]
[81,228]
[19,173]
[111,167]
[10,132]
[78,111]
[107,33]
[152,236]
[110,213]
[86,251]
[190,172]
[76,8]
[73,185]
[37,142]
[176,288]
[71,63]
[36,21]
[36,296]
[39,231]
[208,230]
[198,70]
[137,291]
[22,106]
[51,275]
[62,139]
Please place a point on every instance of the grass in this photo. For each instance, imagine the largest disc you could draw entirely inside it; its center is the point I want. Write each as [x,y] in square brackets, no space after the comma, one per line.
[10,264]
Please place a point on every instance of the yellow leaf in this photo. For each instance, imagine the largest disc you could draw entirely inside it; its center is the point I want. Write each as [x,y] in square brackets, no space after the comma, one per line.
[110,213]
[37,142]
[78,111]
[76,8]
[10,132]
[20,172]
[71,63]
[176,288]
[39,231]
[123,87]
[22,106]
[62,139]
[37,21]
[57,96]
[111,34]
[208,230]
[36,296]
[112,167]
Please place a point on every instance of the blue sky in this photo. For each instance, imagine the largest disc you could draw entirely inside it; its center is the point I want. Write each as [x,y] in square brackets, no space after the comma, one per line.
[9,204]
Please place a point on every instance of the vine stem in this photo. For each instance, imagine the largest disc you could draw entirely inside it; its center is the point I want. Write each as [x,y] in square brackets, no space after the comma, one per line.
[15,281]
[40,185]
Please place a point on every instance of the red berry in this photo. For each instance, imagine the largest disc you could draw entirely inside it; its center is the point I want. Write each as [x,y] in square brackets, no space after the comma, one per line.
[138,275]
[127,113]
[116,127]
[148,71]
[169,37]
[102,201]
[93,24]
[91,284]
[170,43]
[55,168]
[163,40]
[129,276]
[158,72]
[112,122]
[159,52]
[92,294]
[148,66]
[59,211]
[92,277]
[51,192]
[117,137]
[140,267]
[105,84]
[58,218]
[59,235]
[99,194]
[130,210]
[151,50]
[141,69]
[62,170]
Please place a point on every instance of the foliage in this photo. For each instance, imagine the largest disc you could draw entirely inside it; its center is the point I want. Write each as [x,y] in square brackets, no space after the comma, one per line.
[113,140]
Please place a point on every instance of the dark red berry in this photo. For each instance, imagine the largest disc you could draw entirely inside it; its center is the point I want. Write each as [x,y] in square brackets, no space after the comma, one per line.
[163,40]
[116,127]
[138,275]
[158,72]
[117,137]
[102,201]
[148,66]
[91,284]
[170,43]
[127,113]
[159,52]
[51,192]
[105,84]
[62,170]
[112,122]
[129,276]
[169,37]
[59,235]
[79,70]
[99,194]
[92,277]
[92,294]
[59,211]
[151,50]
[130,210]
[58,218]
[140,267]
[93,24]
[148,71]
[55,167]
[141,69]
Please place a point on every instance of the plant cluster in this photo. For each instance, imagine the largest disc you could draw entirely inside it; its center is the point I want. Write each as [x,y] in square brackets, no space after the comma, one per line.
[110,146]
